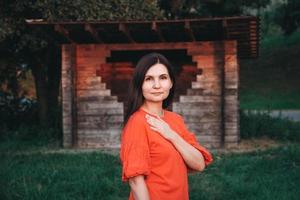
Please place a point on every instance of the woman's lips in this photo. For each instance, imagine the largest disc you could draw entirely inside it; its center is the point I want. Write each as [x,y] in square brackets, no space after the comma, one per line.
[157,93]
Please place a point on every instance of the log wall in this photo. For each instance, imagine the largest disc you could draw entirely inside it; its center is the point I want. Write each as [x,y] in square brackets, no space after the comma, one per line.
[210,108]
[98,114]
[94,92]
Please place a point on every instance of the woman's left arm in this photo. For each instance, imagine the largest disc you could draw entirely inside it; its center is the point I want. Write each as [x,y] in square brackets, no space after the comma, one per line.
[192,157]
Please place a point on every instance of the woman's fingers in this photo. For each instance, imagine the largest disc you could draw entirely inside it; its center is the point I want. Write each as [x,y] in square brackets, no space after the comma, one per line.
[150,118]
[160,119]
[153,128]
[157,118]
[156,123]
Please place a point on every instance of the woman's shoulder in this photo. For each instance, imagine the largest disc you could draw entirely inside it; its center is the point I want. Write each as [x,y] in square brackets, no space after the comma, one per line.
[135,125]
[136,118]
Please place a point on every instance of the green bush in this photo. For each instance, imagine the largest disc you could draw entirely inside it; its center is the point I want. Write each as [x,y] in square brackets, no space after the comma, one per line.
[260,124]
[279,40]
[29,137]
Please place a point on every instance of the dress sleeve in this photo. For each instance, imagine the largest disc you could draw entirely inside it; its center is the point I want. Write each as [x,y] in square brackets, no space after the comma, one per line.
[134,154]
[191,139]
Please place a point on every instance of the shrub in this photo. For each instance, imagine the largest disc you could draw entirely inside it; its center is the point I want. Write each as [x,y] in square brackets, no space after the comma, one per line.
[259,124]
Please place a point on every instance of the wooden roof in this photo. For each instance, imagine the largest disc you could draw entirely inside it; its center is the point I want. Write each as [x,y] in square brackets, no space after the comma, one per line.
[243,29]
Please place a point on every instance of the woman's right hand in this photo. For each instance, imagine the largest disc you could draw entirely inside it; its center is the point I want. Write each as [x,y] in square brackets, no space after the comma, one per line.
[139,188]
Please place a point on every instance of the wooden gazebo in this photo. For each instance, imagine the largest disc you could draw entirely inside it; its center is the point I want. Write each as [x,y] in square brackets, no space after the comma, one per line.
[98,59]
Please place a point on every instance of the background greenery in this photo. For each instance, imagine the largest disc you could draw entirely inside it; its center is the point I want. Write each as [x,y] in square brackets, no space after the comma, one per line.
[33,165]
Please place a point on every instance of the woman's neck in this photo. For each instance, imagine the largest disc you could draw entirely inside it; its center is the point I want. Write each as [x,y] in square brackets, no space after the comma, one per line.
[153,108]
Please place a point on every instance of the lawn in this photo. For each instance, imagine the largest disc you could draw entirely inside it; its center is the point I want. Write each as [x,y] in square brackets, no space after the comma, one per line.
[40,173]
[272,80]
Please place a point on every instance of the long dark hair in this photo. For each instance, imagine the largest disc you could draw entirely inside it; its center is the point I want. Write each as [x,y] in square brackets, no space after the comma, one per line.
[135,97]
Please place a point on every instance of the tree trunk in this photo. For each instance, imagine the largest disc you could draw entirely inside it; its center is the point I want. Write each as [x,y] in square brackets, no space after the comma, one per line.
[41,92]
[54,76]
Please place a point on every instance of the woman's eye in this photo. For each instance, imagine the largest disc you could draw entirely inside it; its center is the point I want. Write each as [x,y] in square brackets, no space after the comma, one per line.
[147,79]
[164,77]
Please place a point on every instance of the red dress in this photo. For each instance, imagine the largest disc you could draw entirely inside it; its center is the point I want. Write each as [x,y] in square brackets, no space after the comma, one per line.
[146,152]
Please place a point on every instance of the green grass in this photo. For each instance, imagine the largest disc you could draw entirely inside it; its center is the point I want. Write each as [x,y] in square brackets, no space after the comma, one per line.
[269,100]
[272,80]
[61,176]
[273,174]
[265,175]
[29,138]
[279,40]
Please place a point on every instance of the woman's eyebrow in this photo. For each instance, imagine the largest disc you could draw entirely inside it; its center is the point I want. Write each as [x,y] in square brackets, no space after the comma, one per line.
[158,75]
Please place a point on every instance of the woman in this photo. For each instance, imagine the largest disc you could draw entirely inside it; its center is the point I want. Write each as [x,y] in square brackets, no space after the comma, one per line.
[157,150]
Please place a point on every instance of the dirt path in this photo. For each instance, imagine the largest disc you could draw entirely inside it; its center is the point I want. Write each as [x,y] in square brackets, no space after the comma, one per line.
[291,114]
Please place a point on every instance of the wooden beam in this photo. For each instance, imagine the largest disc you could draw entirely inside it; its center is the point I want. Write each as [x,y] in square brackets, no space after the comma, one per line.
[188,30]
[156,46]
[161,46]
[89,28]
[126,32]
[157,31]
[60,29]
[225,28]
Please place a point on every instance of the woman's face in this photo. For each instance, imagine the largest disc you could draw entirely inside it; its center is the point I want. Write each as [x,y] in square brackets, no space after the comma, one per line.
[157,83]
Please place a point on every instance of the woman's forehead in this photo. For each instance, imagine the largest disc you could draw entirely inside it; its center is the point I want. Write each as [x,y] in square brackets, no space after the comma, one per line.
[156,70]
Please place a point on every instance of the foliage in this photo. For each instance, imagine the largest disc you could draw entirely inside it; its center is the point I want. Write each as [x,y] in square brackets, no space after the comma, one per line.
[28,136]
[98,10]
[209,8]
[260,124]
[269,81]
[288,16]
[16,37]
[15,111]
[269,99]
[281,17]
[26,46]
[280,40]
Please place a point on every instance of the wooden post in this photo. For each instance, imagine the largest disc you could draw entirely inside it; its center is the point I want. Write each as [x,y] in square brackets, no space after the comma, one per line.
[69,121]
[231,87]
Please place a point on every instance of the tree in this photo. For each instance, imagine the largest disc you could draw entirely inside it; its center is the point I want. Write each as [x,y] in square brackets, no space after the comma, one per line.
[41,54]
[287,16]
[208,8]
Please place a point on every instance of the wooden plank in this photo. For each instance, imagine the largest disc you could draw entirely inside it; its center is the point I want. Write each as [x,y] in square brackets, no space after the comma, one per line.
[157,31]
[62,30]
[124,29]
[189,30]
[89,28]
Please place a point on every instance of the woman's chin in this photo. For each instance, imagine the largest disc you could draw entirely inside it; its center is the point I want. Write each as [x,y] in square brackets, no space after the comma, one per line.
[157,99]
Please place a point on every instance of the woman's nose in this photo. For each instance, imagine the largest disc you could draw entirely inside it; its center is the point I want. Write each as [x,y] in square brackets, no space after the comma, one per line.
[156,84]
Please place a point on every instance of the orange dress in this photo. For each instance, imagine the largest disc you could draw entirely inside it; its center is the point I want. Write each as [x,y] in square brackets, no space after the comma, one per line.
[146,152]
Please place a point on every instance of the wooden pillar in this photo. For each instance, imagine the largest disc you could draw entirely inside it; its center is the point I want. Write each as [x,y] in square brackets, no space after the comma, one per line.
[231,88]
[68,93]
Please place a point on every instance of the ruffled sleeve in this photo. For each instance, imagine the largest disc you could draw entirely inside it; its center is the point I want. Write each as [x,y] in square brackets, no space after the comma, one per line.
[134,153]
[191,139]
